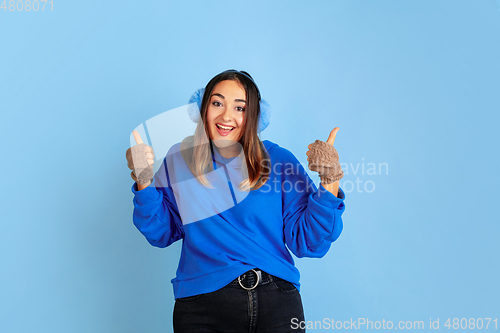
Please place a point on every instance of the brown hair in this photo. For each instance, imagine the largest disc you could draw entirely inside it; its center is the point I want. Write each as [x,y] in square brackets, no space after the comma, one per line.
[196,148]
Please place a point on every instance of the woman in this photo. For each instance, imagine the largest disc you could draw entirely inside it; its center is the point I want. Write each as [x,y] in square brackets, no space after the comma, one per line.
[240,205]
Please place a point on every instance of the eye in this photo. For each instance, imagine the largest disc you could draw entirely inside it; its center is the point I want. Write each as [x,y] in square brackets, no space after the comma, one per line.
[240,108]
[216,103]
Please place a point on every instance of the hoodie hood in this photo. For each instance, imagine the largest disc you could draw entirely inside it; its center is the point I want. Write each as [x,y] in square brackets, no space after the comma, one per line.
[237,161]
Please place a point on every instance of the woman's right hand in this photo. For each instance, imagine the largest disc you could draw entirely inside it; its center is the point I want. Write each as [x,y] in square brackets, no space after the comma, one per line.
[140,160]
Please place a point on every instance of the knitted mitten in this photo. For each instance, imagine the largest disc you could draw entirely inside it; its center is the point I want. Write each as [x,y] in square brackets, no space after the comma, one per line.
[324,159]
[138,163]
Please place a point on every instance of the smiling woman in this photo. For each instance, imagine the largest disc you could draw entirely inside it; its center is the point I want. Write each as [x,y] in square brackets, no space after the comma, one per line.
[236,272]
[230,116]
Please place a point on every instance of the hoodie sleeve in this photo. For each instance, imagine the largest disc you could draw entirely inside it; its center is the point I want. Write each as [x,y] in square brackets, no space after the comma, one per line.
[156,214]
[311,216]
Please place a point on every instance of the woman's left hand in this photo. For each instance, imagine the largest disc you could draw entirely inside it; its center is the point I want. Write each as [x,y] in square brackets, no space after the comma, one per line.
[324,159]
[331,140]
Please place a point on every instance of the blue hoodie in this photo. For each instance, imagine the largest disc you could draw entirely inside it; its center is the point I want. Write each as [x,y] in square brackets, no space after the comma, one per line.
[226,234]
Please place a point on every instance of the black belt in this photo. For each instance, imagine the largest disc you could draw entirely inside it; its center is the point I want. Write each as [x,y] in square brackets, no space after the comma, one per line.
[253,278]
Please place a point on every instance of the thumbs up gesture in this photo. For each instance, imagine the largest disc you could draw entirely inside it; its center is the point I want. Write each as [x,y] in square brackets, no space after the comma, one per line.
[324,159]
[140,160]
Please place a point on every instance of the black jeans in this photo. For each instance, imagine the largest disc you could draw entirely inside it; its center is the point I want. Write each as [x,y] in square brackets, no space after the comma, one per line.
[267,308]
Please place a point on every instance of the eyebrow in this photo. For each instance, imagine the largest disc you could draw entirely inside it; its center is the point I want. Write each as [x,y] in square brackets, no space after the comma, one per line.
[221,96]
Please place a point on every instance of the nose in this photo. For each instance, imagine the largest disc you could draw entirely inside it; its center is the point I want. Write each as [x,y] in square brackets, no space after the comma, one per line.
[226,114]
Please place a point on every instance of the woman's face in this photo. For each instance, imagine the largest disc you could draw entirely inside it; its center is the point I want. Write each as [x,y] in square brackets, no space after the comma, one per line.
[226,108]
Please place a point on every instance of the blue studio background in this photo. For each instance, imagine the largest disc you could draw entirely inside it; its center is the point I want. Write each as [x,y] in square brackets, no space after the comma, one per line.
[413,86]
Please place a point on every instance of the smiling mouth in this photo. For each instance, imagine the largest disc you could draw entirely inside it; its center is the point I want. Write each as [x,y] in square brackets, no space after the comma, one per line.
[224,128]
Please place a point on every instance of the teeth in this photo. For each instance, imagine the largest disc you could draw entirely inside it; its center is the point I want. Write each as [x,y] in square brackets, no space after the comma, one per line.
[224,127]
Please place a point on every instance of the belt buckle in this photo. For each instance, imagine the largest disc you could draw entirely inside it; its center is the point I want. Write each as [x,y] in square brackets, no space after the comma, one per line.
[256,284]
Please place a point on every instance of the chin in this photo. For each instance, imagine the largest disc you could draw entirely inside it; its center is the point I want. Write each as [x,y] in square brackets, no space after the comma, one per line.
[224,143]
